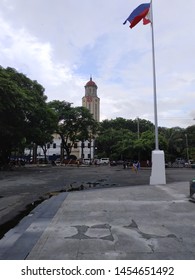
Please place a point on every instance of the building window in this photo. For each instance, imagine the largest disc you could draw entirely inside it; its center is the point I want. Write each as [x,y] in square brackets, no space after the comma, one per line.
[54,145]
[89,145]
[75,146]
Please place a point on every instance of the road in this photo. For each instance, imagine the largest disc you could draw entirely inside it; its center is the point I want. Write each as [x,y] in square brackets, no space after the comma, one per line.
[24,187]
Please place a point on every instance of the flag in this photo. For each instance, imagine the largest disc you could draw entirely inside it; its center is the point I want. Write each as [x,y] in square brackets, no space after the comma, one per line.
[141,12]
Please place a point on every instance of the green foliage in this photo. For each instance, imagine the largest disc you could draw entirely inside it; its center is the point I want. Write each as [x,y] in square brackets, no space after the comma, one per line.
[74,124]
[131,125]
[24,114]
[115,143]
[129,139]
[118,139]
[176,142]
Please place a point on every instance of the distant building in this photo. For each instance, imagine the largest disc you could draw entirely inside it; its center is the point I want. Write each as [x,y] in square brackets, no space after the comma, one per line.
[85,150]
[91,101]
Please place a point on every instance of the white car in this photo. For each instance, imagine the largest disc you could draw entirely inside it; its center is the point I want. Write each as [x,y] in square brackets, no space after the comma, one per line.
[104,161]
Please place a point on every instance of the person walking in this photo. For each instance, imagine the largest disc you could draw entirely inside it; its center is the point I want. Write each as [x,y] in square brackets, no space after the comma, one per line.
[138,165]
[134,167]
[124,164]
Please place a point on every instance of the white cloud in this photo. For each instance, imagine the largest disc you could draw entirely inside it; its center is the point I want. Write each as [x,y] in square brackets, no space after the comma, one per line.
[61,43]
[34,58]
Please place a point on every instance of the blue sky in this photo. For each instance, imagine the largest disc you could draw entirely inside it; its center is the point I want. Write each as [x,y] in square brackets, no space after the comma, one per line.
[61,43]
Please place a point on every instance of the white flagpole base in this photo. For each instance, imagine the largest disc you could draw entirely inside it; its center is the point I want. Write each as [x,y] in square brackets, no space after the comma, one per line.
[158,168]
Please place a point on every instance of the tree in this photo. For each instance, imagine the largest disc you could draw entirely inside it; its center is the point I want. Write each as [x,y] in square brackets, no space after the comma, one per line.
[22,112]
[74,124]
[127,139]
[115,144]
[117,138]
[48,125]
[146,144]
[175,138]
[190,141]
[106,141]
[131,125]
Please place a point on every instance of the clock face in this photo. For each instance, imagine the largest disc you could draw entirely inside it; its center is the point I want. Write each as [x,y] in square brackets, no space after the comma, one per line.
[88,98]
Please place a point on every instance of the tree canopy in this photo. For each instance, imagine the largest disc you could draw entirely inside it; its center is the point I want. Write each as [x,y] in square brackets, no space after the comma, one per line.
[74,124]
[24,114]
[135,139]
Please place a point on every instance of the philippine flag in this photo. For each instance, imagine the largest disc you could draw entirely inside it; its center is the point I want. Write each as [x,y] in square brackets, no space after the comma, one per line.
[141,12]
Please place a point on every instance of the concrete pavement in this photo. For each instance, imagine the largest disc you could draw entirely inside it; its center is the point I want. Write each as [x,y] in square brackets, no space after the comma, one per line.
[140,222]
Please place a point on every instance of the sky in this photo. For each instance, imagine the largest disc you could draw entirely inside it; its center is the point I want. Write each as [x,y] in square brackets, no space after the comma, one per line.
[61,43]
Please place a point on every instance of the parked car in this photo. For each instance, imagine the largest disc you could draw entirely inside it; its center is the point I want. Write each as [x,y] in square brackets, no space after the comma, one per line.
[104,161]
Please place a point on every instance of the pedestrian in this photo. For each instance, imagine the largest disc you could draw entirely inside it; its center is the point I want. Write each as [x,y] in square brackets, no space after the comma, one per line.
[124,164]
[138,165]
[134,167]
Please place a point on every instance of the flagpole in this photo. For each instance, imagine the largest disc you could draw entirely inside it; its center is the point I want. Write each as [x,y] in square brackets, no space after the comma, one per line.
[158,175]
[154,82]
[158,158]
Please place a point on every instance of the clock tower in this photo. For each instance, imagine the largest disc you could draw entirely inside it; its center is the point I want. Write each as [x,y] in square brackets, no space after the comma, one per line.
[91,101]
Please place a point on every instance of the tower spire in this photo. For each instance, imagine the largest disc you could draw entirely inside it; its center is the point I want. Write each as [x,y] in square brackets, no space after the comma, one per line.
[91,101]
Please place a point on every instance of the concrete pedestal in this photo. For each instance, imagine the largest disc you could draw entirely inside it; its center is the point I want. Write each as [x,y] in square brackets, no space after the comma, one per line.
[158,168]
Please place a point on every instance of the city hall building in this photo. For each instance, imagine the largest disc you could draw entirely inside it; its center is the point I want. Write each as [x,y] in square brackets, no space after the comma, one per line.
[85,150]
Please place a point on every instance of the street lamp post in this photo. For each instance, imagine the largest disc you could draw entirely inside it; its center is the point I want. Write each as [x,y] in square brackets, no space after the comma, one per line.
[138,128]
[138,133]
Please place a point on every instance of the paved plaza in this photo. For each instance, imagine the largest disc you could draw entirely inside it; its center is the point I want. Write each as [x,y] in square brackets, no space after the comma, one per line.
[137,222]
